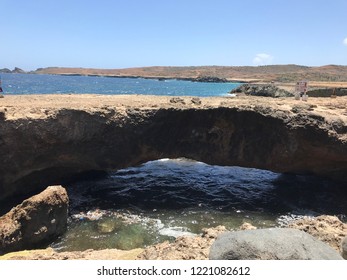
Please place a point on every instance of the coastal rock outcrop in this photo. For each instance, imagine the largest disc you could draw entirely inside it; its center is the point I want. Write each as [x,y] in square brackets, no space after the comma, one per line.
[184,247]
[35,221]
[5,70]
[210,79]
[47,139]
[328,229]
[270,244]
[266,90]
[15,70]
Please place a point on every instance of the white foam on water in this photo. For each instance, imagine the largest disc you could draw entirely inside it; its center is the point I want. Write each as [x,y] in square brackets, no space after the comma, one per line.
[175,232]
[285,220]
[162,159]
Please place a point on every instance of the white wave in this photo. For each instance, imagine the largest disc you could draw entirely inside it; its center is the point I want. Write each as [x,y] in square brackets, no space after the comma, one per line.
[175,232]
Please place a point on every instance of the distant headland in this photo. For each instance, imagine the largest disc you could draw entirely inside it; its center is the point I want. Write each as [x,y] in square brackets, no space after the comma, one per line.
[321,76]
[15,70]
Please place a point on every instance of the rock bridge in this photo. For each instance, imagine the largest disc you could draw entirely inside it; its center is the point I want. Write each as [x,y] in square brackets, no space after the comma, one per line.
[47,139]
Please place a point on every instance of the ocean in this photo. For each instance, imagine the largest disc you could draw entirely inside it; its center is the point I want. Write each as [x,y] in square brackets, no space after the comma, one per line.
[45,84]
[161,200]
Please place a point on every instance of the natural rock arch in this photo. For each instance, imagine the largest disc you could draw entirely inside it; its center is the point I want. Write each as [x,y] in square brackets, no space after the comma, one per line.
[41,151]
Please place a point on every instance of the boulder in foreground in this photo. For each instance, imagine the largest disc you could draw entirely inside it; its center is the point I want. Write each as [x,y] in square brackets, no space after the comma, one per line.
[35,221]
[270,244]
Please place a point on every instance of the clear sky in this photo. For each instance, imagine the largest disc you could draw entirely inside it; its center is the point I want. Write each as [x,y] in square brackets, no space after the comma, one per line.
[134,33]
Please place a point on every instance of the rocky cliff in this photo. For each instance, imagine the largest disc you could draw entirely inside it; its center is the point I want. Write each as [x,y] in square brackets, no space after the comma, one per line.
[46,139]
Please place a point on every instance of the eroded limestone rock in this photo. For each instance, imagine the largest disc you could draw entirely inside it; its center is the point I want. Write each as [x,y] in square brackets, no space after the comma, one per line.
[49,139]
[35,221]
[328,229]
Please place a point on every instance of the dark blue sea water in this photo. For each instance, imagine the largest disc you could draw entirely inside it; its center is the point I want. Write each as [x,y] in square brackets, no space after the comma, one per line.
[163,199]
[43,84]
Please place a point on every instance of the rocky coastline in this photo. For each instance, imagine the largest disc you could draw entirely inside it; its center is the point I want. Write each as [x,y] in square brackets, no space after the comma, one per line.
[265,90]
[53,138]
[322,237]
[278,90]
[322,77]
[330,74]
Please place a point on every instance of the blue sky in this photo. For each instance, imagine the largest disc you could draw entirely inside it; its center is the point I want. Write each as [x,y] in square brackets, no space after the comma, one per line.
[133,33]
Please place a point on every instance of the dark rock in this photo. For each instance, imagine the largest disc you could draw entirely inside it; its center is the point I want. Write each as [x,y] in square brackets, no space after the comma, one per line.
[177,100]
[36,221]
[15,70]
[5,70]
[326,92]
[266,90]
[196,101]
[209,79]
[270,244]
[344,248]
[18,71]
[298,108]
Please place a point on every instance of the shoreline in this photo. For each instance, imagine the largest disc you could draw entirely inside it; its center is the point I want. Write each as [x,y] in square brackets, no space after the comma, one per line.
[328,229]
[55,123]
[318,76]
[288,86]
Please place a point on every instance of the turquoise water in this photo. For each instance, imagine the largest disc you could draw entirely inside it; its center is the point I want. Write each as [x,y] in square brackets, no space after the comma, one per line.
[44,84]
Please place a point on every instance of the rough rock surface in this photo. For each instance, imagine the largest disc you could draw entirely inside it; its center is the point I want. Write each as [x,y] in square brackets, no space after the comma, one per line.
[344,248]
[326,92]
[50,254]
[210,79]
[247,226]
[45,139]
[328,229]
[266,90]
[270,244]
[35,221]
[183,248]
